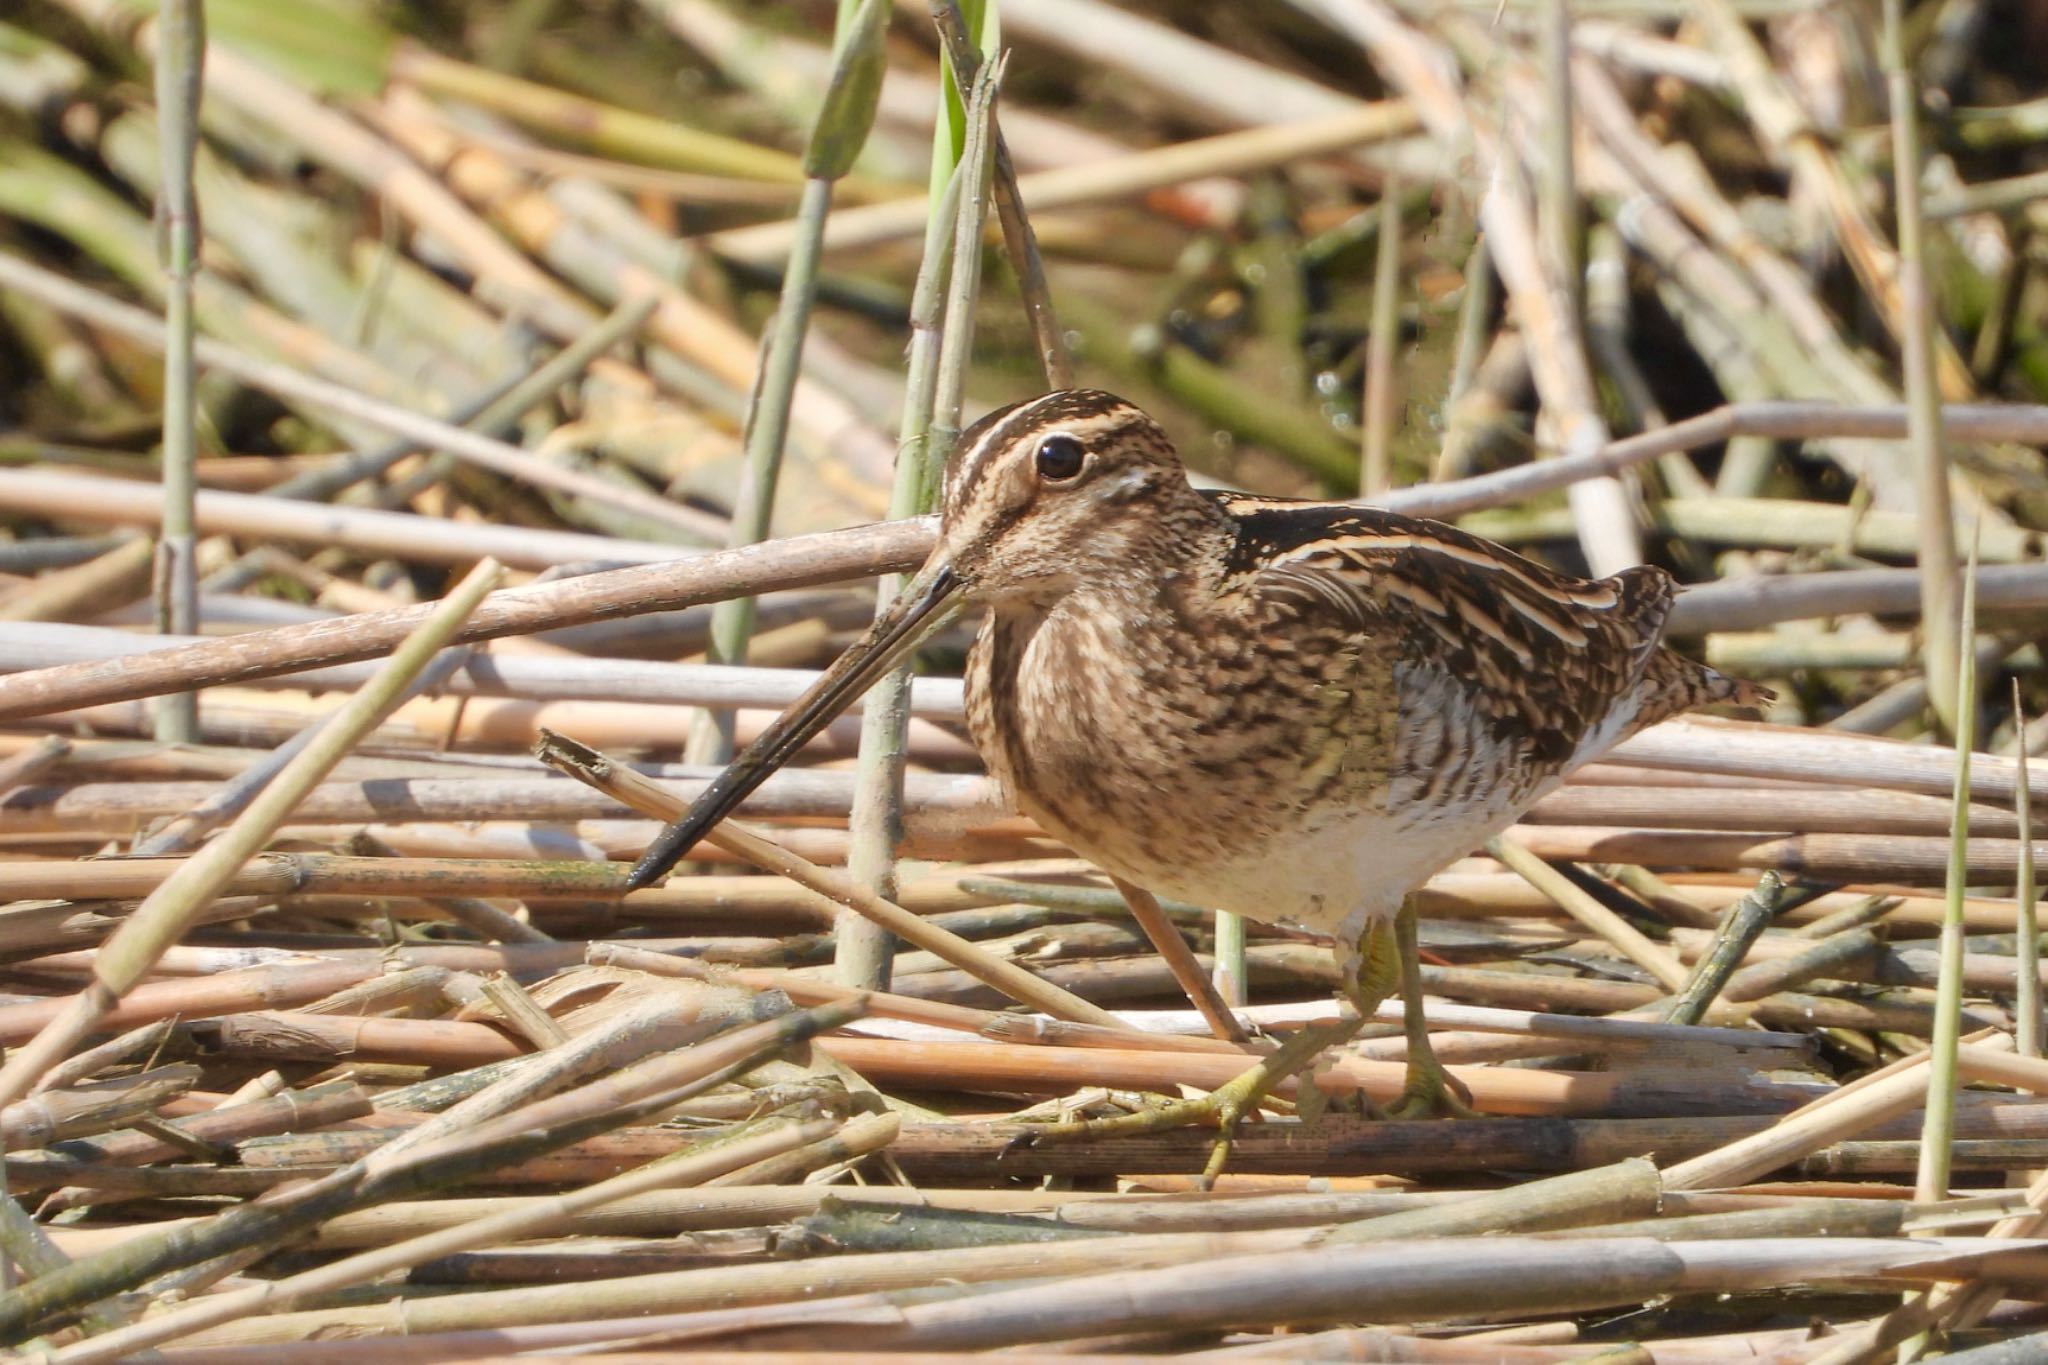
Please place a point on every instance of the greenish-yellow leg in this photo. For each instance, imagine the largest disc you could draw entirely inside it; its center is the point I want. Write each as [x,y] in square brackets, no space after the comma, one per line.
[1429,1091]
[1388,960]
[1224,1106]
[1378,970]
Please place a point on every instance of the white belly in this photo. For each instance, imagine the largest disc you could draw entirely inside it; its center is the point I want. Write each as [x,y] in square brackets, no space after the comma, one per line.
[1354,866]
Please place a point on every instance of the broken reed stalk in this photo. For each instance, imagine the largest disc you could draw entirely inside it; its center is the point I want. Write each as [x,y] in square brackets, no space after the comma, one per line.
[643,794]
[1938,1132]
[180,63]
[163,917]
[145,1039]
[1744,924]
[20,769]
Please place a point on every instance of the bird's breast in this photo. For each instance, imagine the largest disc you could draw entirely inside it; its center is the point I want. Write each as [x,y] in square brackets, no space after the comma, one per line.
[1173,753]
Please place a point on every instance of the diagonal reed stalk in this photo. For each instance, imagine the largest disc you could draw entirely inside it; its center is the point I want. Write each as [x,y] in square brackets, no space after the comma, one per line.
[716,1155]
[297,386]
[649,797]
[489,412]
[628,1095]
[1743,925]
[965,57]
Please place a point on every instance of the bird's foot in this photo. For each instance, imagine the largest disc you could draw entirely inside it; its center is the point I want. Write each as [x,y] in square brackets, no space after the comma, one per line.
[1224,1107]
[1430,1092]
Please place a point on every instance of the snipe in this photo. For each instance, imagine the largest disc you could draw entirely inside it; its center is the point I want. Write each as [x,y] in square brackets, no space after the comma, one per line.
[1297,711]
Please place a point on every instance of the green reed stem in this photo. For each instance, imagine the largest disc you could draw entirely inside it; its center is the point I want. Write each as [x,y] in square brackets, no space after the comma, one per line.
[1937,1132]
[1740,928]
[863,950]
[2027,1001]
[181,57]
[836,139]
[1923,393]
[956,346]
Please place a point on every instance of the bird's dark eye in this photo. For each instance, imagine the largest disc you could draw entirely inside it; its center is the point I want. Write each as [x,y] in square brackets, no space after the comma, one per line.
[1060,457]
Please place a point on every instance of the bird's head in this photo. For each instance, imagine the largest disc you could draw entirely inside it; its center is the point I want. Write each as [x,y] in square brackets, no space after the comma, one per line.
[1071,487]
[1054,491]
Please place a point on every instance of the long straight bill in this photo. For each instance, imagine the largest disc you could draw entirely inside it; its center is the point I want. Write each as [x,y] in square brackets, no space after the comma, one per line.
[917,611]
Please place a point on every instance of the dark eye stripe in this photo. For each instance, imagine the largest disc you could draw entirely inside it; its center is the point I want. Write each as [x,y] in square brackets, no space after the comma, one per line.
[1002,427]
[1089,412]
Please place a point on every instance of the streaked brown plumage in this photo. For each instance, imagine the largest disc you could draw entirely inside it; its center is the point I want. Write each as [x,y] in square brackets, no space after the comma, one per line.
[1296,711]
[1293,710]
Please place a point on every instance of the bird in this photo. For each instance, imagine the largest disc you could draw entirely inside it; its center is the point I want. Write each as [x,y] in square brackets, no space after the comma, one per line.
[1296,711]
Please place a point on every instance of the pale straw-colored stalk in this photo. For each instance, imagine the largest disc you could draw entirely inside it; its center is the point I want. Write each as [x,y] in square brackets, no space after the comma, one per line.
[126,958]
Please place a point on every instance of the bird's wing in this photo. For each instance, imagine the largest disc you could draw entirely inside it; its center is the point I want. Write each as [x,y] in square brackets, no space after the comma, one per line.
[1545,655]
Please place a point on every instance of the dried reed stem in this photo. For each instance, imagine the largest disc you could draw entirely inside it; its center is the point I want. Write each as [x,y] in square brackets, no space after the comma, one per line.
[650,798]
[164,915]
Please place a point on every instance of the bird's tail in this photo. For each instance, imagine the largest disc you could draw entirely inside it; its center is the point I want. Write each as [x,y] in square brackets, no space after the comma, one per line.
[1677,684]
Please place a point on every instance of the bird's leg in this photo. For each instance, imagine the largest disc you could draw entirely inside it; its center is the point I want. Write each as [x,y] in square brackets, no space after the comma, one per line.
[1387,960]
[1429,1091]
[1224,1106]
